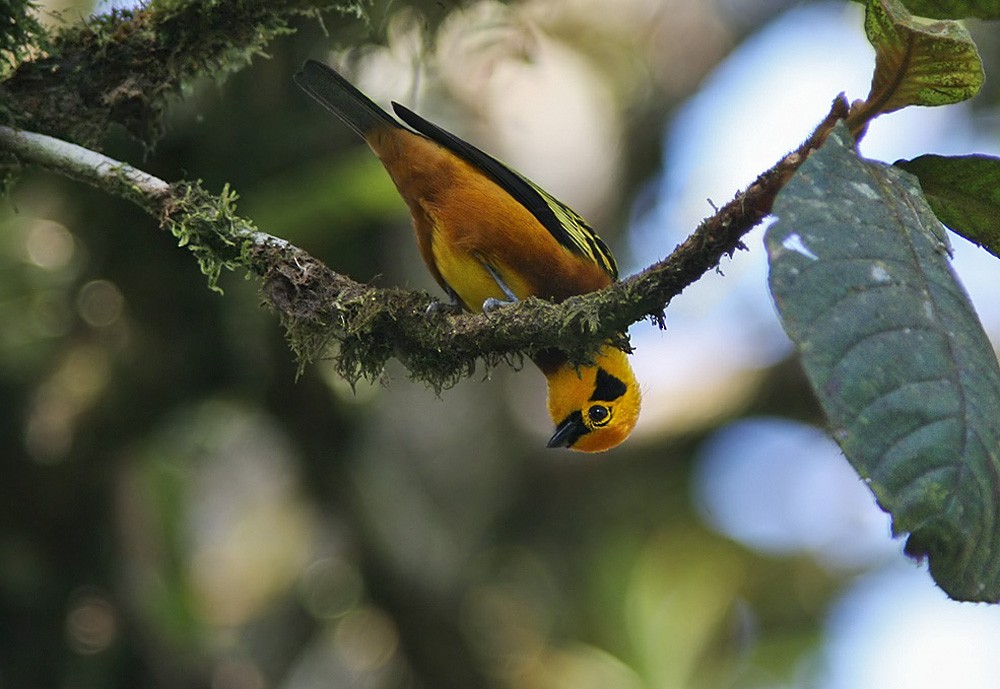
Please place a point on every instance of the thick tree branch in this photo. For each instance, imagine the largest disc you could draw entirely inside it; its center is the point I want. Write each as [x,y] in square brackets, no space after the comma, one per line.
[123,67]
[363,326]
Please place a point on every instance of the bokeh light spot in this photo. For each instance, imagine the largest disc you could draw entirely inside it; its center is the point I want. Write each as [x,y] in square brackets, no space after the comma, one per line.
[331,587]
[49,244]
[100,303]
[91,623]
[366,639]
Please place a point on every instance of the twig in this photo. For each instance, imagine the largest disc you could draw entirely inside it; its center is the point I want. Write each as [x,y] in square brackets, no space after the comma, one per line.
[84,165]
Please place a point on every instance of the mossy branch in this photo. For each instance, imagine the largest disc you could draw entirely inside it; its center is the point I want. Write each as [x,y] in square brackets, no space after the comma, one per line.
[125,66]
[361,327]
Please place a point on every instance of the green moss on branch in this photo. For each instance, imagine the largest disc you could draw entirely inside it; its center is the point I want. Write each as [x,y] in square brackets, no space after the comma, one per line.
[124,67]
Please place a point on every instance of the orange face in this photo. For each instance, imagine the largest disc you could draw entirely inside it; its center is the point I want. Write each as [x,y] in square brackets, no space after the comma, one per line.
[594,407]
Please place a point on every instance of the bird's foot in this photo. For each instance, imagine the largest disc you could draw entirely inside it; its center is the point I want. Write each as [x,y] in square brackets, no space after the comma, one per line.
[449,308]
[454,307]
[492,304]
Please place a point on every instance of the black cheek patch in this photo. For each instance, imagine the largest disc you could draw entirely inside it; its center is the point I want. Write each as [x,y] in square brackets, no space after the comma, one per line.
[608,388]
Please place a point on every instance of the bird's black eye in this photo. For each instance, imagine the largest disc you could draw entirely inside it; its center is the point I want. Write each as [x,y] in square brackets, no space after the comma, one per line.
[599,415]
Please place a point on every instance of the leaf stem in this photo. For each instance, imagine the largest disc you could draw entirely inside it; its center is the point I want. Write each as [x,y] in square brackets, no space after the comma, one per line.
[862,113]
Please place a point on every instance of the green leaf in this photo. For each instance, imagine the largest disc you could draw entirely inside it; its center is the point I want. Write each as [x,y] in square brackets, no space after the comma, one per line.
[895,352]
[918,62]
[953,9]
[964,192]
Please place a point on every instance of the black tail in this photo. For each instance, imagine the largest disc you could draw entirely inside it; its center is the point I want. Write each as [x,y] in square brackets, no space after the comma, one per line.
[341,98]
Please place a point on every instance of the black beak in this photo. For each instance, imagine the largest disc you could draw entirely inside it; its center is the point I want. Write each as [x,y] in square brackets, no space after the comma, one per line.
[569,431]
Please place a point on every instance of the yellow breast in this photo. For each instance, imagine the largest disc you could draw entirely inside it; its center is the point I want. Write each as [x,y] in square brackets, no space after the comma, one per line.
[466,274]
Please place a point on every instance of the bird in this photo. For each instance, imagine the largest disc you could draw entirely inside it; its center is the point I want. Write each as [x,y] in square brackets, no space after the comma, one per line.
[491,237]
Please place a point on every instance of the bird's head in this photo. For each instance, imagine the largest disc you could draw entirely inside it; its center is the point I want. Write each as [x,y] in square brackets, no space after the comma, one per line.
[594,407]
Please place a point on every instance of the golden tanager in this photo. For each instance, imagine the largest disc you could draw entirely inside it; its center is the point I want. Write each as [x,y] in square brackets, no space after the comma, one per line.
[490,237]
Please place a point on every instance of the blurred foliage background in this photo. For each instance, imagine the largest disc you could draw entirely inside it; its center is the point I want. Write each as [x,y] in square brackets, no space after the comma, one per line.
[178,509]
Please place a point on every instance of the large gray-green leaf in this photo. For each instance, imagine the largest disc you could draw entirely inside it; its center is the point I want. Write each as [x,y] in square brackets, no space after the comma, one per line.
[896,354]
